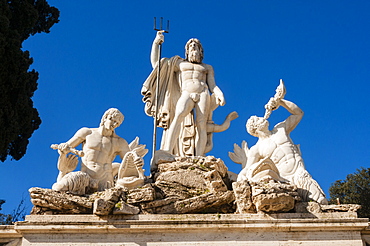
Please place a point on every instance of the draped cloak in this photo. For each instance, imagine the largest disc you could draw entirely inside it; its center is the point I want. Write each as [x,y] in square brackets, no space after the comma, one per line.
[169,94]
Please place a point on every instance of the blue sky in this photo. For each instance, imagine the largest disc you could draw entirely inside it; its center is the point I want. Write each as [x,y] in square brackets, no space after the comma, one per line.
[97,57]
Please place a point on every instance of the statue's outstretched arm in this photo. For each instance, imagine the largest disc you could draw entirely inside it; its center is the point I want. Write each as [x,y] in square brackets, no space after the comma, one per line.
[154,55]
[212,127]
[292,121]
[77,139]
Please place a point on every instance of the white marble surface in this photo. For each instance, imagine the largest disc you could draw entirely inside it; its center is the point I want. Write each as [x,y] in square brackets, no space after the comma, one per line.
[277,147]
[100,146]
[187,97]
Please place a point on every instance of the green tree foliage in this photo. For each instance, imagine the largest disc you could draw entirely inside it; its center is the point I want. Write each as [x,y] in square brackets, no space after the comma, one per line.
[355,189]
[18,214]
[5,219]
[19,19]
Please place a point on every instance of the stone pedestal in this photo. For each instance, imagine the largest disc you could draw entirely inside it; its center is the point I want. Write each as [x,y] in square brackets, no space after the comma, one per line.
[340,228]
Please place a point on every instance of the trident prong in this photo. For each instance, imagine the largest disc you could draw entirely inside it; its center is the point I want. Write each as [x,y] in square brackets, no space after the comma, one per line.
[167,30]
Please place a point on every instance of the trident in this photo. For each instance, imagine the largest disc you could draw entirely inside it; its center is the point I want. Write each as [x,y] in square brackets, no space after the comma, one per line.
[157,85]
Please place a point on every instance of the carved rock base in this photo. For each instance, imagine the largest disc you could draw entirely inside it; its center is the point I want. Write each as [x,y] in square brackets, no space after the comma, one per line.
[271,203]
[47,201]
[185,185]
[268,197]
[243,197]
[274,197]
[190,185]
[124,208]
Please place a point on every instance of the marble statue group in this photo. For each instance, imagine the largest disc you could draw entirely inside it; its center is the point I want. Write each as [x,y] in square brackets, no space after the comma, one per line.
[181,94]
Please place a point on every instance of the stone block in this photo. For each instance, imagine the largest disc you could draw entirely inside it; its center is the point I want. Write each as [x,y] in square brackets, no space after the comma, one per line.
[307,207]
[143,194]
[243,197]
[124,208]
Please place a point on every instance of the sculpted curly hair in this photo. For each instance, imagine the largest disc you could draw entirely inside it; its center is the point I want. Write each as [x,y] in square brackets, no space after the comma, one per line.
[113,112]
[252,125]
